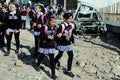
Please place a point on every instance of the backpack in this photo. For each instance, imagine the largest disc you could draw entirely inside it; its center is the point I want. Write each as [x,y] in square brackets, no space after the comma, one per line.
[63,27]
[43,18]
[46,28]
[33,14]
[45,31]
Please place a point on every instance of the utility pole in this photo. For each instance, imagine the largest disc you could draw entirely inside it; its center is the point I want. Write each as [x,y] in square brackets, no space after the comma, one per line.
[7,1]
[53,3]
[65,4]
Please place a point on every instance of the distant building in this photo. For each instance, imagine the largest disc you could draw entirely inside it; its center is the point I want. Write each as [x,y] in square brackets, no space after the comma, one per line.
[68,4]
[25,1]
[18,1]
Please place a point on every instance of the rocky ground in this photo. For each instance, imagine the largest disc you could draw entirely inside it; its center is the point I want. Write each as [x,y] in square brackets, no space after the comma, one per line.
[95,58]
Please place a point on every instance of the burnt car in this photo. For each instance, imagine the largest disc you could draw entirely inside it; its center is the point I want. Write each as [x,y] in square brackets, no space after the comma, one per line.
[89,20]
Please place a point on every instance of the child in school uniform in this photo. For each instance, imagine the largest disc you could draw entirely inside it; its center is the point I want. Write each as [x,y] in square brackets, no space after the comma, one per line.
[38,21]
[31,13]
[65,39]
[13,27]
[47,45]
[3,20]
[23,13]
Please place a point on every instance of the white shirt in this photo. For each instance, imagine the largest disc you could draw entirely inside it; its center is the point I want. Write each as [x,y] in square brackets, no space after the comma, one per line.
[13,13]
[39,14]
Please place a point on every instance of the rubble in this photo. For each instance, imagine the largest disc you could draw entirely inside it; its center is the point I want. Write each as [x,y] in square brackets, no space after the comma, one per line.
[18,63]
[116,70]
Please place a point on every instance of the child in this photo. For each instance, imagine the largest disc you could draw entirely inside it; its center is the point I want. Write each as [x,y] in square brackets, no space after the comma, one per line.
[13,26]
[31,13]
[47,44]
[1,3]
[3,24]
[38,21]
[65,38]
[23,13]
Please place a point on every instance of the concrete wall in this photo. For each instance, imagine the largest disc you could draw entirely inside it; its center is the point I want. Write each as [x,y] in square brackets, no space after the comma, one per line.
[111,14]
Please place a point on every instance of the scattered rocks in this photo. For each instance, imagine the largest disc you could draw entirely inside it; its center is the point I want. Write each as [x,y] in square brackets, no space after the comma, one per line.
[34,78]
[90,69]
[84,76]
[116,70]
[78,63]
[114,53]
[18,63]
[104,76]
[81,63]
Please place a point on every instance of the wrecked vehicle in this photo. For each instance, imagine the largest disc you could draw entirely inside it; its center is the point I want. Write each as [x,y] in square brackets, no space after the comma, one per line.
[89,20]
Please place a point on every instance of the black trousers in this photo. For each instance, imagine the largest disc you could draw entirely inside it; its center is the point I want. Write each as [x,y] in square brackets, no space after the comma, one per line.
[24,24]
[70,58]
[2,39]
[31,24]
[36,45]
[9,38]
[52,64]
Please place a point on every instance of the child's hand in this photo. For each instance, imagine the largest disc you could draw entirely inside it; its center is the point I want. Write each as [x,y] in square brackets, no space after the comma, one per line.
[16,31]
[0,23]
[50,37]
[7,32]
[67,37]
[34,24]
[39,25]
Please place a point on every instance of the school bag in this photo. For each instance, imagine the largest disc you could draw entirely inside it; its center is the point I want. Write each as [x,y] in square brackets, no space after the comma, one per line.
[43,18]
[63,27]
[58,40]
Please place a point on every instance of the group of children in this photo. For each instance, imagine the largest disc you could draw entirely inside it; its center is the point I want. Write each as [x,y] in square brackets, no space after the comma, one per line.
[48,36]
[10,23]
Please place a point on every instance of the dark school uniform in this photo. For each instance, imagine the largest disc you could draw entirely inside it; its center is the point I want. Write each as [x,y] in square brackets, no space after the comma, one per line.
[47,47]
[13,23]
[64,44]
[31,13]
[3,25]
[23,17]
[38,20]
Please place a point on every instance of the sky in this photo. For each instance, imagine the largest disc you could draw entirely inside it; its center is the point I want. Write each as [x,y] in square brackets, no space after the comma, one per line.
[100,3]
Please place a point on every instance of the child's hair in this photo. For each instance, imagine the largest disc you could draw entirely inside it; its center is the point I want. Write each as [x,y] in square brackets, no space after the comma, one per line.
[51,17]
[24,5]
[1,1]
[16,5]
[67,15]
[5,6]
[49,14]
[41,7]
